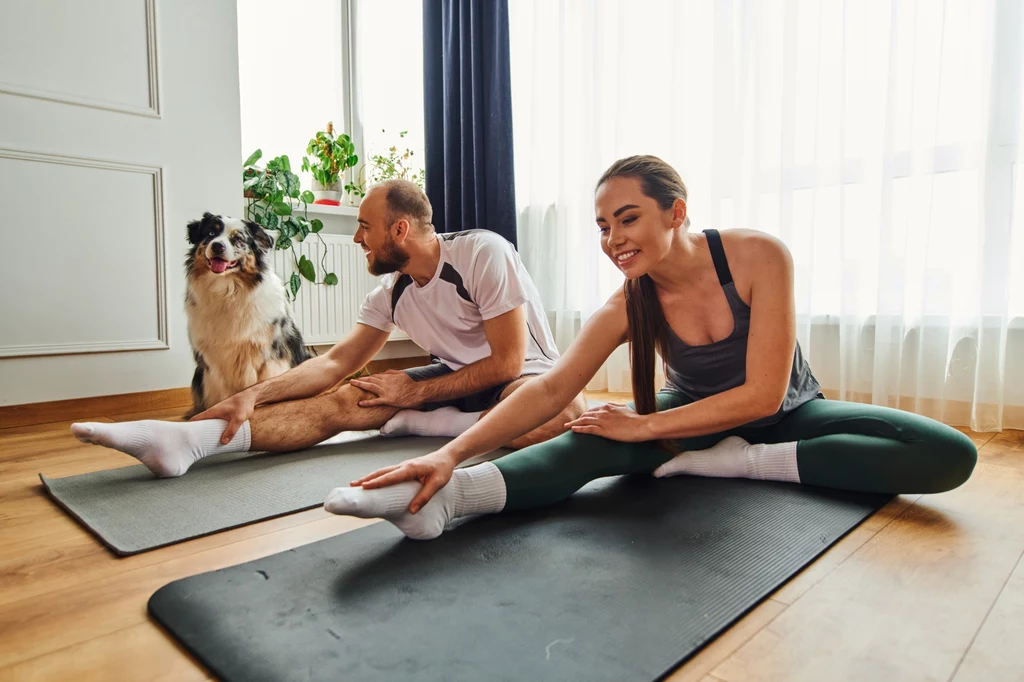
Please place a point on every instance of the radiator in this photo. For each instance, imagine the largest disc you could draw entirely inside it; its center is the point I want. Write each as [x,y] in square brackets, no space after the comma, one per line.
[325,313]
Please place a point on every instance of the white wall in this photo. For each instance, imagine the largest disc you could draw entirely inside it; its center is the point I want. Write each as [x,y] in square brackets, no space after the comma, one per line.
[120,124]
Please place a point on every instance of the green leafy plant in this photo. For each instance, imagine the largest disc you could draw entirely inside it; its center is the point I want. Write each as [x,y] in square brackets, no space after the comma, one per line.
[268,192]
[396,165]
[332,156]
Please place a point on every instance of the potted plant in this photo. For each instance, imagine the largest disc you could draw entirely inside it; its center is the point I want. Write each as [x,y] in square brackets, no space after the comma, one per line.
[383,167]
[396,165]
[268,192]
[332,156]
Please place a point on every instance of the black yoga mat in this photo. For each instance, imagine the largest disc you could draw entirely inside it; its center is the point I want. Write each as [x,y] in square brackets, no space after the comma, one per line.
[624,581]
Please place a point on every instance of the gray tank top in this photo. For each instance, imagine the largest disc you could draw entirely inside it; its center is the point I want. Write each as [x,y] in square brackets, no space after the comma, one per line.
[705,370]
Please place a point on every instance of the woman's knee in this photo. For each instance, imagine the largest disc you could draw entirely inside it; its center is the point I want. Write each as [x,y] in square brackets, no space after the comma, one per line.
[946,457]
[953,457]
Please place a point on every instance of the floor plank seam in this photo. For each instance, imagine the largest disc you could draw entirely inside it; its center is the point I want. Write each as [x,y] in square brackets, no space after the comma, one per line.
[54,652]
[831,570]
[738,646]
[1002,466]
[991,435]
[753,634]
[984,620]
[101,578]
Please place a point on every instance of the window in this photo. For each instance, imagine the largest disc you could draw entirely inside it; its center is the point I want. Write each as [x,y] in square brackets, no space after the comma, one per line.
[389,58]
[293,80]
[289,75]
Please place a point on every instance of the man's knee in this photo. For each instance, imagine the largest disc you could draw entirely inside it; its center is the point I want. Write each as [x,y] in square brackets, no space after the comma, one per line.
[513,386]
[556,426]
[575,409]
[348,396]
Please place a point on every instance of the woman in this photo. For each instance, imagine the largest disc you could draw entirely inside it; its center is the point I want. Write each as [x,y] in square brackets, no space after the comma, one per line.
[740,399]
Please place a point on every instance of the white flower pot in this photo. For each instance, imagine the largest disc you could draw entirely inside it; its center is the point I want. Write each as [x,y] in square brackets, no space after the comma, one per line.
[330,194]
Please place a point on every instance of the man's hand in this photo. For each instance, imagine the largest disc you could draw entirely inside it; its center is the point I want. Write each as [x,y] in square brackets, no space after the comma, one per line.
[614,421]
[236,410]
[393,387]
[433,471]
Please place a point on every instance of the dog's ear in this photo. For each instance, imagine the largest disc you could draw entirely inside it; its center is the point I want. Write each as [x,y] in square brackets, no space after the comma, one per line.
[197,229]
[260,235]
[195,232]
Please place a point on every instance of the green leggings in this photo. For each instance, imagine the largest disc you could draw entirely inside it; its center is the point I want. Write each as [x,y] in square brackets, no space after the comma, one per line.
[839,445]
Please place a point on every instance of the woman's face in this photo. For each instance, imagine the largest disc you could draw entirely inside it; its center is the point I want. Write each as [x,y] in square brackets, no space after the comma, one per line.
[635,232]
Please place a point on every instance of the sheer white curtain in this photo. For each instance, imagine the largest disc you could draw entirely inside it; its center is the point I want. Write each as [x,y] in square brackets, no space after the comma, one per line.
[877,138]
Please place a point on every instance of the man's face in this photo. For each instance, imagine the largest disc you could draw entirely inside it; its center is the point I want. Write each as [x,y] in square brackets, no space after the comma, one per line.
[383,253]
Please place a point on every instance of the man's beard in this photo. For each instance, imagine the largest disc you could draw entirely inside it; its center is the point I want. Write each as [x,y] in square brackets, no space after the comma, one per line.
[390,258]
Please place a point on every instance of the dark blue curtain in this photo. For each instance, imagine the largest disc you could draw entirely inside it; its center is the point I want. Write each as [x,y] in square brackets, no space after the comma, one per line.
[467,93]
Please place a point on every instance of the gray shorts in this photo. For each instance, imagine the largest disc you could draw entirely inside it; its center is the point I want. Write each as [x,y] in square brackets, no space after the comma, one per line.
[477,402]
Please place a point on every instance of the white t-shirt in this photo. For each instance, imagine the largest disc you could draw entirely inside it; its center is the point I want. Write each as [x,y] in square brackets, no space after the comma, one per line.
[478,277]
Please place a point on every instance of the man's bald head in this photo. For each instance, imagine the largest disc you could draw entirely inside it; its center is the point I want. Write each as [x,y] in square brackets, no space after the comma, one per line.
[405,199]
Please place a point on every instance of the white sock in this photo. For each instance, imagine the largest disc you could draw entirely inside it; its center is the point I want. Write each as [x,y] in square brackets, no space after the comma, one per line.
[478,489]
[167,448]
[444,421]
[734,457]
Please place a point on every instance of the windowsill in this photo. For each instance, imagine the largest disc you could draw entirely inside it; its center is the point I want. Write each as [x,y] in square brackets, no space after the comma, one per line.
[327,209]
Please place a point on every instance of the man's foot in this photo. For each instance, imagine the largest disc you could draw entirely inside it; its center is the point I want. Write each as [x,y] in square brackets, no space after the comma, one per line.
[166,448]
[444,421]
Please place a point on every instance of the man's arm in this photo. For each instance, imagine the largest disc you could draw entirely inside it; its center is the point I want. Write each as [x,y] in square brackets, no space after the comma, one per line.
[310,378]
[506,335]
[316,375]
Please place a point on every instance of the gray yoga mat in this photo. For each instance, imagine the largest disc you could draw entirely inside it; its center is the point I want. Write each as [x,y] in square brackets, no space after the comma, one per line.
[131,511]
[622,582]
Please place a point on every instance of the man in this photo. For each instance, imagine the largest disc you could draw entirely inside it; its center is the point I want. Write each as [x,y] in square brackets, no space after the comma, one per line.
[465,298]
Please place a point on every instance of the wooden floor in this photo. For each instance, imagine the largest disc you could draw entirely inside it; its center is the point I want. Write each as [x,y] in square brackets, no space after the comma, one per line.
[930,588]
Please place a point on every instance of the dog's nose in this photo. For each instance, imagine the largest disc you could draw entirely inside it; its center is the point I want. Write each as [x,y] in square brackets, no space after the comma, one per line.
[217,248]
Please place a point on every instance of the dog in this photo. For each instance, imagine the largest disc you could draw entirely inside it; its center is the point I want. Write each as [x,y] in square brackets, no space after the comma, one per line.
[239,323]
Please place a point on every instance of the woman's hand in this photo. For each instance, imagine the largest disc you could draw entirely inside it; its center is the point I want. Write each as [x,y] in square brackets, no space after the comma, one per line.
[614,421]
[433,471]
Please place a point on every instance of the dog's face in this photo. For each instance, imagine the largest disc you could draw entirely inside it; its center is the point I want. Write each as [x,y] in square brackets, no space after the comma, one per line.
[227,247]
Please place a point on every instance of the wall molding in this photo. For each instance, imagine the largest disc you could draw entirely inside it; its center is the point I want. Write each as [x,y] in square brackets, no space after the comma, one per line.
[152,110]
[162,340]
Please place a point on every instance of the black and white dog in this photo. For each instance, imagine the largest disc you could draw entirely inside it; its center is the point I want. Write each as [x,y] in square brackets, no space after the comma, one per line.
[239,322]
